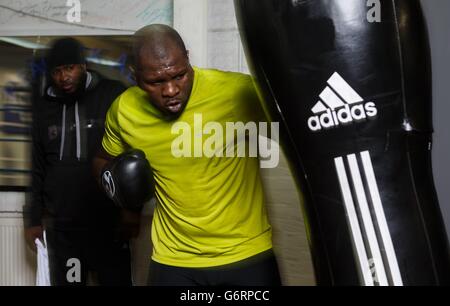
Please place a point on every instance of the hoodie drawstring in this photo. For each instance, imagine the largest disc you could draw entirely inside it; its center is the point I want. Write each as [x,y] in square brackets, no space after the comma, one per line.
[52,93]
[77,126]
[63,133]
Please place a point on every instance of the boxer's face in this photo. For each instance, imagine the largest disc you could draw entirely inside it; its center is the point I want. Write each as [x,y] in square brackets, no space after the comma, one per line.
[167,80]
[68,78]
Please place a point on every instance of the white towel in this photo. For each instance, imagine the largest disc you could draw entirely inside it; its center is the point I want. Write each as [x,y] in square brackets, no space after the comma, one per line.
[43,272]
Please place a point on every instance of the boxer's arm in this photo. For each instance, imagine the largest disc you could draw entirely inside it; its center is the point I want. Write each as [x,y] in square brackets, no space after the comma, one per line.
[112,144]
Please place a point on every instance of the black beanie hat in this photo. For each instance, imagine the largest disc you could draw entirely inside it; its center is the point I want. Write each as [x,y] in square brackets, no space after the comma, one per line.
[65,51]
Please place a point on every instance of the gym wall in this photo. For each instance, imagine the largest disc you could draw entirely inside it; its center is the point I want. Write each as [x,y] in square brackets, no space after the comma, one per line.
[437,14]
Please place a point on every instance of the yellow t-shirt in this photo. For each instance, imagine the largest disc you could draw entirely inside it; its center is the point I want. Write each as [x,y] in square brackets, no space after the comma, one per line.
[210,209]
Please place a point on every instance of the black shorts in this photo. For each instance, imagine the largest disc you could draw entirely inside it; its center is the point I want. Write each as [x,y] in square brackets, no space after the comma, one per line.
[88,251]
[258,270]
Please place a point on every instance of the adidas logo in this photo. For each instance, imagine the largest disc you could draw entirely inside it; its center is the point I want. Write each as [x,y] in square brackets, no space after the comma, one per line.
[339,105]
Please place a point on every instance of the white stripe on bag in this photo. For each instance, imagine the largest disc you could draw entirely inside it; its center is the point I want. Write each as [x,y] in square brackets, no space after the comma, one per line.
[385,273]
[367,220]
[381,219]
[358,243]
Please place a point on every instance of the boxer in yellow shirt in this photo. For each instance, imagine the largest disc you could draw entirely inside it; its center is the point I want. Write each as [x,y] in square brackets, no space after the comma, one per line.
[210,225]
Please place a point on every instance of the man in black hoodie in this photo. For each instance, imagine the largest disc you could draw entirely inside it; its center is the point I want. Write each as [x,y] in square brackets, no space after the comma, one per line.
[84,230]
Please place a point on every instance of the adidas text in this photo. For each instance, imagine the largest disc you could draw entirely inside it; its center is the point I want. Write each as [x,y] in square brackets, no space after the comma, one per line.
[343,116]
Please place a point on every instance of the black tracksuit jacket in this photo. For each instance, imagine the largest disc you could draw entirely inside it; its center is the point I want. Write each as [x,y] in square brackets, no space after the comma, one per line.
[67,133]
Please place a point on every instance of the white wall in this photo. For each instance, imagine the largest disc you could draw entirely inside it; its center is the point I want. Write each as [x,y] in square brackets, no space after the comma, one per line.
[190,20]
[437,14]
[224,44]
[17,262]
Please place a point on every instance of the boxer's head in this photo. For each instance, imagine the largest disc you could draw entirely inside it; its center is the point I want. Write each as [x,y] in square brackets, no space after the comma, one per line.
[67,66]
[162,68]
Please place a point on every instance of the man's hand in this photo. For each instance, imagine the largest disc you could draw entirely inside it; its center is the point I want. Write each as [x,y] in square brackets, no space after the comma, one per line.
[129,224]
[31,233]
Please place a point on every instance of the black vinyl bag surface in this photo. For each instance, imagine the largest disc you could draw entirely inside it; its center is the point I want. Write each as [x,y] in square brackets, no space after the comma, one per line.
[352,93]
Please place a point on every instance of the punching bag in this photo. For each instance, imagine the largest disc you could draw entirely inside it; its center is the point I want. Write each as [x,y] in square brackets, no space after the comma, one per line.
[349,81]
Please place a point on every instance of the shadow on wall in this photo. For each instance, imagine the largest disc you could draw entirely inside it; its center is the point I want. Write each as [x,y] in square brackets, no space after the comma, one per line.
[289,235]
[437,15]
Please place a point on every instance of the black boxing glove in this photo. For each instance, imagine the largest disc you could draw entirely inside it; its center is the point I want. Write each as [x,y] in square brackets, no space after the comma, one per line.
[128,180]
